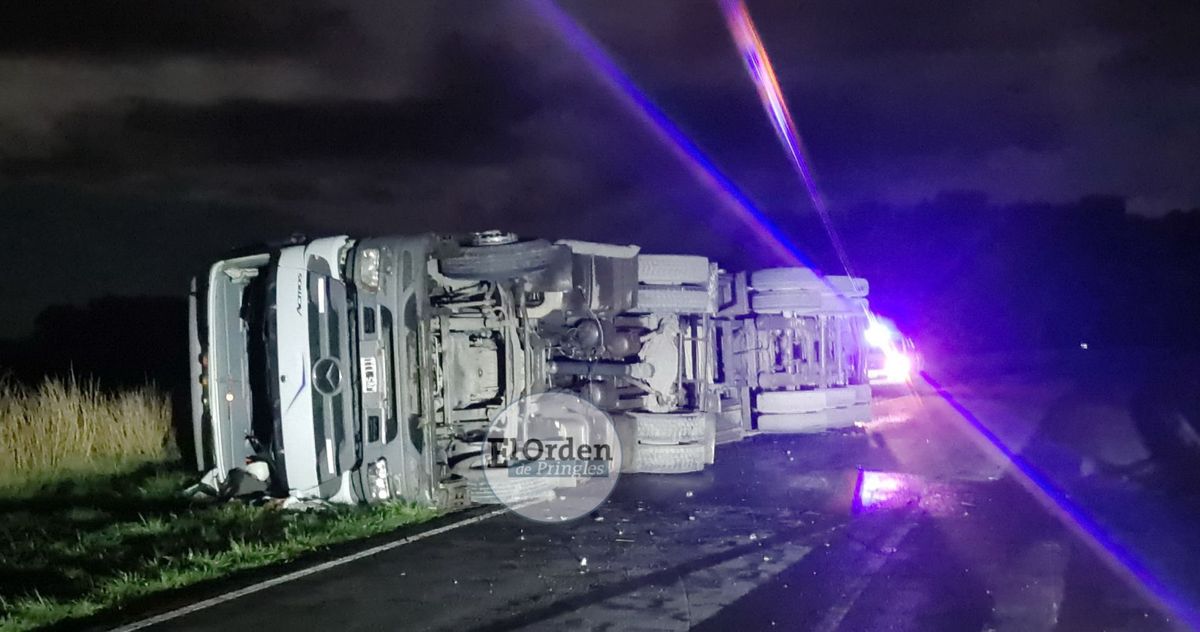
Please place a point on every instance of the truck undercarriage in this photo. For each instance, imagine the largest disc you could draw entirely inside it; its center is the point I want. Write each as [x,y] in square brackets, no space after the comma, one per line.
[367,370]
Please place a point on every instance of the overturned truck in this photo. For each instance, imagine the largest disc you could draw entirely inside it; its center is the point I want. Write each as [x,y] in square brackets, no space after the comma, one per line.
[362,370]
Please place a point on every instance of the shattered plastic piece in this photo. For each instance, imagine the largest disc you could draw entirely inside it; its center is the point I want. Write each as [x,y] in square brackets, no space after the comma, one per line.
[344,496]
[208,485]
[293,503]
[259,470]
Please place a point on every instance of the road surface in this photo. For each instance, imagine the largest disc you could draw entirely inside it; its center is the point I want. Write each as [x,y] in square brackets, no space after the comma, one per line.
[944,535]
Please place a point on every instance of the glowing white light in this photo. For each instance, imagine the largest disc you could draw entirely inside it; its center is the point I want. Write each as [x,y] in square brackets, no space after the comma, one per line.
[897,366]
[877,334]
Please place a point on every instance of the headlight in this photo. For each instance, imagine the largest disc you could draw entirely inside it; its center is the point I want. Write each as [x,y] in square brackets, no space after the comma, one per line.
[377,480]
[368,268]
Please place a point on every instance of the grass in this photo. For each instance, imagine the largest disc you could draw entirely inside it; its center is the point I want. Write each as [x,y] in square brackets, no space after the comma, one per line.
[88,544]
[91,518]
[65,428]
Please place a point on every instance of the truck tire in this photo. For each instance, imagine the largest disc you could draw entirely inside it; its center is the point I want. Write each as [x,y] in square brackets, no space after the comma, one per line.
[673,270]
[710,446]
[841,397]
[500,262]
[485,492]
[673,428]
[776,279]
[671,459]
[814,422]
[786,301]
[796,423]
[788,402]
[850,287]
[851,415]
[673,300]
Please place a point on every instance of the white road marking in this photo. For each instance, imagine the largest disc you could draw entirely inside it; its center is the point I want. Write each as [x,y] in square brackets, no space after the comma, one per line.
[302,573]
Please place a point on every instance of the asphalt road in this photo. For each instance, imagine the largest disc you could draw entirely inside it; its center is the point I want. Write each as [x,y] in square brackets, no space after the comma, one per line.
[944,537]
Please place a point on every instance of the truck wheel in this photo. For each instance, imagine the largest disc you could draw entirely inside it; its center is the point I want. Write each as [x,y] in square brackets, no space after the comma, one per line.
[673,300]
[502,261]
[852,415]
[710,446]
[791,401]
[786,301]
[776,279]
[796,423]
[813,422]
[673,270]
[671,459]
[485,492]
[850,287]
[673,428]
[840,397]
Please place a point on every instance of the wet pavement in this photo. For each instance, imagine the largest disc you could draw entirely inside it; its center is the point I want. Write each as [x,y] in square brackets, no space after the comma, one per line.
[911,523]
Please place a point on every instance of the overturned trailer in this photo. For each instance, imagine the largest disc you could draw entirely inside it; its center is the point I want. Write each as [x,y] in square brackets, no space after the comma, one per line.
[792,349]
[366,370]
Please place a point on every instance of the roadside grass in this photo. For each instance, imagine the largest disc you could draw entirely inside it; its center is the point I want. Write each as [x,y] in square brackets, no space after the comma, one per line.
[79,546]
[68,428]
[92,516]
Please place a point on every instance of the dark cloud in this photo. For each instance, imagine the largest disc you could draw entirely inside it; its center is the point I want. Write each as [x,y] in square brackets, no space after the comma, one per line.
[234,121]
[479,93]
[1158,41]
[255,132]
[149,27]
[847,127]
[868,28]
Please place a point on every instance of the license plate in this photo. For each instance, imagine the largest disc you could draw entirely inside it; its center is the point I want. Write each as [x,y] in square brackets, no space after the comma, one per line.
[370,375]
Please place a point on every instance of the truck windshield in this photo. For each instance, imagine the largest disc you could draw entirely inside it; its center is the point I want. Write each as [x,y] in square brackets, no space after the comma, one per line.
[262,344]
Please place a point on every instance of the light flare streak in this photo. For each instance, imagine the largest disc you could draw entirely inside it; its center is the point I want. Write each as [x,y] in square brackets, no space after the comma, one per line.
[762,73]
[617,82]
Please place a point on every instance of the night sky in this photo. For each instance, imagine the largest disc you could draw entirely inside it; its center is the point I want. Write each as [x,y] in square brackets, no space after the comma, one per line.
[141,139]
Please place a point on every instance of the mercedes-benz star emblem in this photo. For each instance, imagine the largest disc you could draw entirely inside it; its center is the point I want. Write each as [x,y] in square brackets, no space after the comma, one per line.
[327,376]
